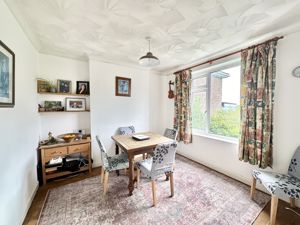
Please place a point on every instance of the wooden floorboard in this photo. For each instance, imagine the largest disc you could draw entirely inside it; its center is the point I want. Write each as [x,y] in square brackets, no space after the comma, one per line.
[284,217]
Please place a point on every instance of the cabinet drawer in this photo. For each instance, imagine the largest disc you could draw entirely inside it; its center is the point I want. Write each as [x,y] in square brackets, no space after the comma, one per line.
[56,151]
[79,148]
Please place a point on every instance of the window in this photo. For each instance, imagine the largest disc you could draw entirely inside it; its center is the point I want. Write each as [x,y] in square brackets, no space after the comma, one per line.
[216,101]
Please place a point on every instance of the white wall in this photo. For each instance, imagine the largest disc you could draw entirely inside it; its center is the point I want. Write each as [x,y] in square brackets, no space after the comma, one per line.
[18,127]
[53,68]
[108,112]
[223,156]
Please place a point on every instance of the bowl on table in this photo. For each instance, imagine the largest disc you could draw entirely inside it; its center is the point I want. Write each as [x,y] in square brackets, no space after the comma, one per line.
[68,137]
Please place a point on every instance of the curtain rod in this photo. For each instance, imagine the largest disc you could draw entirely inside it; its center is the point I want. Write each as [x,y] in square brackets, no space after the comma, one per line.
[229,54]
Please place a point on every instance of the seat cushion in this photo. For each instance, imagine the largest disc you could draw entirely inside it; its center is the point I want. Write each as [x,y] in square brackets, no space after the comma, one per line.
[117,162]
[279,184]
[145,166]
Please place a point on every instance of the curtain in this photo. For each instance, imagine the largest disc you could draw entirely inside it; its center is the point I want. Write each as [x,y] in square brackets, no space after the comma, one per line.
[183,114]
[258,71]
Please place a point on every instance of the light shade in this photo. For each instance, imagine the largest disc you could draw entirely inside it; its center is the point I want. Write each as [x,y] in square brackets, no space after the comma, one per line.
[149,60]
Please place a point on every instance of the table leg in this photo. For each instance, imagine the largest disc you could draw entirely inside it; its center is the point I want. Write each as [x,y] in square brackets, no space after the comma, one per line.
[131,173]
[117,153]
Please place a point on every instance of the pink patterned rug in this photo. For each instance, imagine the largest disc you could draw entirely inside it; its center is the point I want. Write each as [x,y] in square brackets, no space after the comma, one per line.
[202,196]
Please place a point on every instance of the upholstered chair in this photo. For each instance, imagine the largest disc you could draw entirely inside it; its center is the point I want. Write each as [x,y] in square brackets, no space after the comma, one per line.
[110,163]
[126,130]
[280,185]
[158,165]
[171,133]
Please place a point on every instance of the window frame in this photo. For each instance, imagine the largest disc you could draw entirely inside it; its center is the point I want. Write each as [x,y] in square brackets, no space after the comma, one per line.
[206,72]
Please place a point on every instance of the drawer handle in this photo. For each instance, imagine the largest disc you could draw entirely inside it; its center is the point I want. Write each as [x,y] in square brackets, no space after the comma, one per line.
[77,149]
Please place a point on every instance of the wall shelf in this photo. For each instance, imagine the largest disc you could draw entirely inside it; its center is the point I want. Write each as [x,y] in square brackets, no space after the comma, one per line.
[62,111]
[61,93]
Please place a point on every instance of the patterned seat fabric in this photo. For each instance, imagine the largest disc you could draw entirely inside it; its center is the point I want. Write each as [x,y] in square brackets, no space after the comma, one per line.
[111,163]
[126,130]
[281,184]
[171,133]
[162,161]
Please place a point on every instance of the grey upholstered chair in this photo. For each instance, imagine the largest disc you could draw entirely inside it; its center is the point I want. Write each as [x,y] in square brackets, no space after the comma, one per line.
[171,133]
[157,166]
[280,185]
[126,130]
[110,163]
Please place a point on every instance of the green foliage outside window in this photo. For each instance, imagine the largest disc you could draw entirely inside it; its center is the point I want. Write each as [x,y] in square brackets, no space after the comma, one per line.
[199,118]
[226,122]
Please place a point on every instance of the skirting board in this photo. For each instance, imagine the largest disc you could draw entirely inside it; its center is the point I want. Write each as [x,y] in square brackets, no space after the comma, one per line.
[30,202]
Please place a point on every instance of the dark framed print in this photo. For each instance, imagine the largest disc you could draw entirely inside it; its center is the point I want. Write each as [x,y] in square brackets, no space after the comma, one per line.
[123,86]
[7,76]
[83,87]
[64,86]
[75,104]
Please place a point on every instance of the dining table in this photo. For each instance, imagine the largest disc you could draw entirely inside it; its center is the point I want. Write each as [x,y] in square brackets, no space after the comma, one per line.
[135,147]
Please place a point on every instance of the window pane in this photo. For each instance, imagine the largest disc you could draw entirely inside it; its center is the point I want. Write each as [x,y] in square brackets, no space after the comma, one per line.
[225,102]
[199,103]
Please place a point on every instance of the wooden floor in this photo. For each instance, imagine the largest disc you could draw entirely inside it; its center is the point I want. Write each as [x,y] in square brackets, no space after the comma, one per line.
[284,217]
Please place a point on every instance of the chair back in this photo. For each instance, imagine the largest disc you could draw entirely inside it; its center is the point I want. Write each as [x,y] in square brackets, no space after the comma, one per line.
[294,168]
[126,130]
[171,133]
[163,159]
[104,157]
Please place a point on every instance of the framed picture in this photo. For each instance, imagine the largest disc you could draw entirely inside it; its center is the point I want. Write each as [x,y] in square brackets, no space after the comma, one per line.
[64,86]
[75,104]
[123,86]
[83,87]
[42,86]
[7,76]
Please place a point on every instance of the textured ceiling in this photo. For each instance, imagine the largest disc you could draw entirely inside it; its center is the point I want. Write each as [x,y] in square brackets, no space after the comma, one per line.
[115,30]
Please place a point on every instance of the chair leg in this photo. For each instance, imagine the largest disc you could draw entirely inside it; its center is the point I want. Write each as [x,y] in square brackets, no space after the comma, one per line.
[138,175]
[105,185]
[125,171]
[253,187]
[274,203]
[292,203]
[172,184]
[102,175]
[154,192]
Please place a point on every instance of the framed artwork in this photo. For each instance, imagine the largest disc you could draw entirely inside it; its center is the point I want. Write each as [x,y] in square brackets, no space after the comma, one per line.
[42,86]
[7,76]
[75,104]
[123,86]
[83,87]
[64,86]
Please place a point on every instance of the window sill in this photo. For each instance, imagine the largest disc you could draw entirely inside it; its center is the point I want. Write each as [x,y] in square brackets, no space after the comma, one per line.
[217,137]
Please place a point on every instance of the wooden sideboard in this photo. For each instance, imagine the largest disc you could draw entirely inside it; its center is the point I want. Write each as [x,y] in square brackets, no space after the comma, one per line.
[53,151]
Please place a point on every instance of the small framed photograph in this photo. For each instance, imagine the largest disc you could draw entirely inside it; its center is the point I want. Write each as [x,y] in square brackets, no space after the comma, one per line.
[123,86]
[64,86]
[42,86]
[7,76]
[83,87]
[75,104]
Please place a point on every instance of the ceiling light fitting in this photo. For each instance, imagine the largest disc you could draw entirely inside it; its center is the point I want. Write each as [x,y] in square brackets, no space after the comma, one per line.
[149,59]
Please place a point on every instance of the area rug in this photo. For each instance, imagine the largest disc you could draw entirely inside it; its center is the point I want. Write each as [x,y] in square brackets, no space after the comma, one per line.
[202,196]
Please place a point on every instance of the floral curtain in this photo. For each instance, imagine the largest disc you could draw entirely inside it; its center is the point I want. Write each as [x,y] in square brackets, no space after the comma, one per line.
[183,114]
[258,70]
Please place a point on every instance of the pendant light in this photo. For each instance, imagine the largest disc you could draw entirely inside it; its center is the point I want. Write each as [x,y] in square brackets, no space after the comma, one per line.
[149,59]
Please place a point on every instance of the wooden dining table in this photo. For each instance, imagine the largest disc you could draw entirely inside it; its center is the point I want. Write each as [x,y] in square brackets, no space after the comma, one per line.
[134,147]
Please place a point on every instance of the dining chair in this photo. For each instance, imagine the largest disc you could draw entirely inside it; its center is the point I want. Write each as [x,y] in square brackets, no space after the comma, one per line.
[280,185]
[171,133]
[110,163]
[158,165]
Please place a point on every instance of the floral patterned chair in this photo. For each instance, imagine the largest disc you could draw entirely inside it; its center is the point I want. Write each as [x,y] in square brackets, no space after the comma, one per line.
[110,163]
[171,133]
[126,130]
[157,166]
[280,185]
